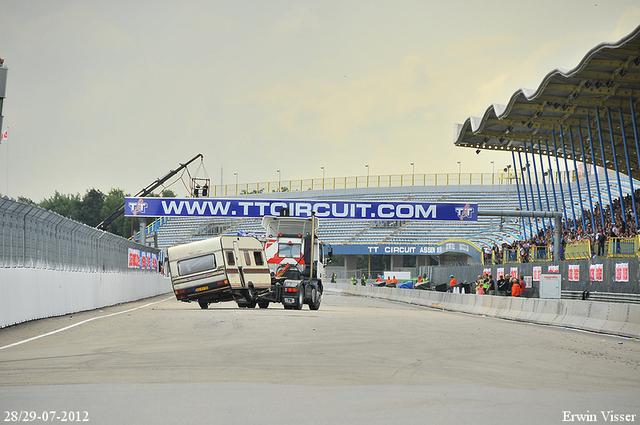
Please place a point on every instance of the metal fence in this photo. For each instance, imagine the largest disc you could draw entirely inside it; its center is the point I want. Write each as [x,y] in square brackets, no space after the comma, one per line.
[386,180]
[31,237]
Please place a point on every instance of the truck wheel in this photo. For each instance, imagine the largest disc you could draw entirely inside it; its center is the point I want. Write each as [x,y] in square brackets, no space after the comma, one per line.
[316,299]
[203,305]
[263,304]
[300,299]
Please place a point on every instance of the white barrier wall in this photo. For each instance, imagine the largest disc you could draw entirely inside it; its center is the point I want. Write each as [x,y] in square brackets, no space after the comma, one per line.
[28,294]
[613,318]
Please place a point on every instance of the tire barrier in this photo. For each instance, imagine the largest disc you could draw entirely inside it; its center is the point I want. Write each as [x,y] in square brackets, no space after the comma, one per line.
[596,316]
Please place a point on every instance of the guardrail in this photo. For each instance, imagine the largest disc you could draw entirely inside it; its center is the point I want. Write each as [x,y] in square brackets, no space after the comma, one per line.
[383,180]
[622,247]
[510,256]
[603,297]
[580,250]
[541,253]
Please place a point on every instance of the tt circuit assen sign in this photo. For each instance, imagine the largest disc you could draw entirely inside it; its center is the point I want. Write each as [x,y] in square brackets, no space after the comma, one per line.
[449,246]
[359,210]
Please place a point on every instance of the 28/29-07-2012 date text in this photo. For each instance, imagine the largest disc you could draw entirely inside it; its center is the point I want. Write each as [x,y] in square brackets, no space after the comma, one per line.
[46,416]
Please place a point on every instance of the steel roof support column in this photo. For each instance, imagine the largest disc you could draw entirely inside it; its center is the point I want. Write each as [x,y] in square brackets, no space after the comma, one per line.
[524,188]
[604,165]
[513,156]
[533,199]
[586,176]
[595,172]
[546,193]
[564,208]
[535,174]
[635,135]
[575,166]
[553,186]
[566,167]
[626,155]
[615,162]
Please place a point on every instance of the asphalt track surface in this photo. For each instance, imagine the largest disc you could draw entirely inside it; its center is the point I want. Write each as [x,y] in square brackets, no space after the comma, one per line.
[354,361]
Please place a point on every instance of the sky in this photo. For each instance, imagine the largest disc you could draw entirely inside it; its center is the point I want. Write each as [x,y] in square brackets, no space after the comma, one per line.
[114,94]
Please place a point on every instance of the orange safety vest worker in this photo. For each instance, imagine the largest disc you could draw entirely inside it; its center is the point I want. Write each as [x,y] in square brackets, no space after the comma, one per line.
[453,281]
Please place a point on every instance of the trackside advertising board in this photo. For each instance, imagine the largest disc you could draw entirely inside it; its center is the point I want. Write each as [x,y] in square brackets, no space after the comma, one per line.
[255,208]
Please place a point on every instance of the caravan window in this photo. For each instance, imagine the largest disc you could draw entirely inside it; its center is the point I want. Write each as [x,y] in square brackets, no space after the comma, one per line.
[231,259]
[257,256]
[196,265]
[247,258]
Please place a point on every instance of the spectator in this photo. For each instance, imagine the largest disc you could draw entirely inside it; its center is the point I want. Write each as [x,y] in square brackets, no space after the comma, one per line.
[515,287]
[479,286]
[502,286]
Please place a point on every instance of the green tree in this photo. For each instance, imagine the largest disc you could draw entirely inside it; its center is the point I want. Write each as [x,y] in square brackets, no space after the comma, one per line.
[113,201]
[91,207]
[168,193]
[26,200]
[65,205]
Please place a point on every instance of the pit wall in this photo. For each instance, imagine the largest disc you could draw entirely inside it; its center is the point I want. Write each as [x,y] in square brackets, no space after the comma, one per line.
[29,294]
[611,318]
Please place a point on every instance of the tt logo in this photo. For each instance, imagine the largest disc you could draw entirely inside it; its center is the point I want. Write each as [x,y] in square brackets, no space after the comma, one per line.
[464,212]
[138,207]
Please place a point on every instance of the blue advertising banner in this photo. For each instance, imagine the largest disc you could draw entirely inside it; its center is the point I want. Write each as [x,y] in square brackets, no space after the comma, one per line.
[362,210]
[447,247]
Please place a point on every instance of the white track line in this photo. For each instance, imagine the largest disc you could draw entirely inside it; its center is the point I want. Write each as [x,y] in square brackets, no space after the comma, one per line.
[80,323]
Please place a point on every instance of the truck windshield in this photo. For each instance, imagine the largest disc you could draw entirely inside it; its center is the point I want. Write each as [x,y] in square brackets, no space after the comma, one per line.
[196,265]
[289,250]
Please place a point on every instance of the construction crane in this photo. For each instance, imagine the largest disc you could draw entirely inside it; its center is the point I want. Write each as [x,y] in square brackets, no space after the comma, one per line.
[144,192]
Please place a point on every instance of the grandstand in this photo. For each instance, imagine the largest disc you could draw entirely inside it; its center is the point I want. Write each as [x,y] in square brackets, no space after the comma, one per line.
[485,232]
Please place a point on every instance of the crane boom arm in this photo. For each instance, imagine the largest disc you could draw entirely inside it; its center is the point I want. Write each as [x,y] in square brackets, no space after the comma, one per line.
[144,192]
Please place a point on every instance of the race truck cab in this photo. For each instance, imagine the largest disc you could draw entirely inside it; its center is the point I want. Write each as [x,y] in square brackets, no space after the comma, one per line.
[288,247]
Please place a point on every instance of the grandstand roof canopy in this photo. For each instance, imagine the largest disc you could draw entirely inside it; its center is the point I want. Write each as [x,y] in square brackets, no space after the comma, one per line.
[571,105]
